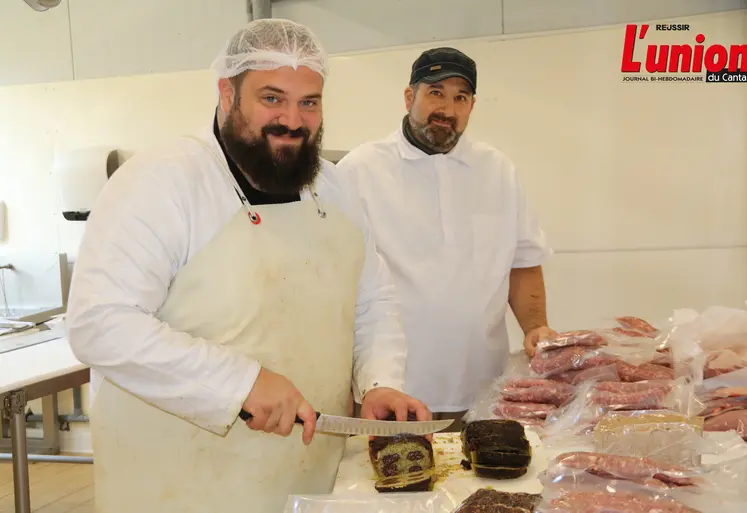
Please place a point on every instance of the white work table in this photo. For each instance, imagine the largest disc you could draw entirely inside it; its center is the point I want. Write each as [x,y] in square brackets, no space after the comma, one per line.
[356,475]
[27,374]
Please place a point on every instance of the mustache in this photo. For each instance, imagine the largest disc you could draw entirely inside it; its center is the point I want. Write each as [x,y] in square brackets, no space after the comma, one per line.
[441,117]
[280,130]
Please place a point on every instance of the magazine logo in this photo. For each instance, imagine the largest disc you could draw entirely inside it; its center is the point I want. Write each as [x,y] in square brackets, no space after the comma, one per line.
[720,64]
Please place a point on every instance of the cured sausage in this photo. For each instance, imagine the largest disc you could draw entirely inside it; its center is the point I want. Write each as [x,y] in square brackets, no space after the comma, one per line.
[634,323]
[599,373]
[578,338]
[538,391]
[511,410]
[650,399]
[734,419]
[643,372]
[560,360]
[606,502]
[555,362]
[624,387]
[718,406]
[614,466]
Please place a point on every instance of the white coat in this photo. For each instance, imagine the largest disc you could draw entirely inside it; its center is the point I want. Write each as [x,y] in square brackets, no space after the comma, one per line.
[450,227]
[174,306]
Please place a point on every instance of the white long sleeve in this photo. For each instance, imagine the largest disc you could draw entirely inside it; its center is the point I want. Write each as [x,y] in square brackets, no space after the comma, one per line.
[380,354]
[136,239]
[380,348]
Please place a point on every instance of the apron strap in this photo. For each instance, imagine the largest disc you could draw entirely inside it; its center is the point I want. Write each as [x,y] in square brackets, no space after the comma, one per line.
[253,216]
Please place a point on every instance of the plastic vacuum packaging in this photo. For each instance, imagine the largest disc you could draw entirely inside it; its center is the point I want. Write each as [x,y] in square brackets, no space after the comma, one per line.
[667,437]
[714,341]
[518,397]
[600,373]
[597,495]
[488,500]
[415,502]
[579,465]
[599,482]
[628,327]
[725,409]
[593,400]
[631,352]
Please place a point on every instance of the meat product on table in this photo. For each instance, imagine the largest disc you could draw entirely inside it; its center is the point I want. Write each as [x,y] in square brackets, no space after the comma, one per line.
[630,333]
[643,372]
[578,338]
[608,502]
[717,406]
[730,392]
[402,463]
[651,399]
[531,390]
[614,466]
[601,373]
[734,419]
[555,362]
[487,500]
[631,387]
[512,410]
[723,361]
[636,324]
[559,360]
[496,448]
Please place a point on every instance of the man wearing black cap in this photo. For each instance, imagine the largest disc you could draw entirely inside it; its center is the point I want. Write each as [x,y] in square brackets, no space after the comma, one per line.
[453,223]
[442,71]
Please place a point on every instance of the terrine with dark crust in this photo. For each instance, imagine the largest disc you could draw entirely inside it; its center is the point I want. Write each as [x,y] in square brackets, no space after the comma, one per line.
[496,448]
[402,463]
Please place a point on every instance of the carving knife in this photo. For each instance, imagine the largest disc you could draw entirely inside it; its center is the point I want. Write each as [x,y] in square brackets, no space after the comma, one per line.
[353,426]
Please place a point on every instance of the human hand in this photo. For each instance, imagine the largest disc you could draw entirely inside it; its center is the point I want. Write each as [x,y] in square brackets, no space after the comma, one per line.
[534,336]
[381,403]
[274,403]
[389,404]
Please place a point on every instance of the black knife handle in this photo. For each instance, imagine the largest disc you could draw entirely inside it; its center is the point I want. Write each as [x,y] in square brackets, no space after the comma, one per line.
[246,416]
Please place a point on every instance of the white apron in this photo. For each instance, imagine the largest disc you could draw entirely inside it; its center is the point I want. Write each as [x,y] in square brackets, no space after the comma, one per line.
[283,292]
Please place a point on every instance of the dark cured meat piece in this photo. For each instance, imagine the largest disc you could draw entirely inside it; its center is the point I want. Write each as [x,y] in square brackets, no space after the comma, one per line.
[487,500]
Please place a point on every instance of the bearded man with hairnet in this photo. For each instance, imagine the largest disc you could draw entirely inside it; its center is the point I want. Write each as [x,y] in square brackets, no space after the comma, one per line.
[230,271]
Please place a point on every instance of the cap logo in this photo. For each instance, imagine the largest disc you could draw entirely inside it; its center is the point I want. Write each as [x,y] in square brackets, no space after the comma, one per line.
[434,68]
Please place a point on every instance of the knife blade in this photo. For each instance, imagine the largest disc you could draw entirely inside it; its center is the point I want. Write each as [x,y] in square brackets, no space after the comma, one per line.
[353,426]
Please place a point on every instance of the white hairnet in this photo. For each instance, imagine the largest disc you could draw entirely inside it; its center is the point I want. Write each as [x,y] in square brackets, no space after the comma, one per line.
[271,43]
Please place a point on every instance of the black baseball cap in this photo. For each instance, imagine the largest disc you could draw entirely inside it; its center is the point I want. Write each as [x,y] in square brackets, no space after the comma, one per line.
[444,62]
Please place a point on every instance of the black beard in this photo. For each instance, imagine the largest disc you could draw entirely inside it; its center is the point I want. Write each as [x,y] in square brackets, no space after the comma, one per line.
[437,138]
[285,171]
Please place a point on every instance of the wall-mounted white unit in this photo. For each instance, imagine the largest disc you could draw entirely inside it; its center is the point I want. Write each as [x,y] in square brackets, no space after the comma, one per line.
[80,176]
[42,5]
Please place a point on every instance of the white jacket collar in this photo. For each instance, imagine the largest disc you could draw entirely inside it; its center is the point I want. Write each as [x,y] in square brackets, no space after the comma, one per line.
[409,152]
